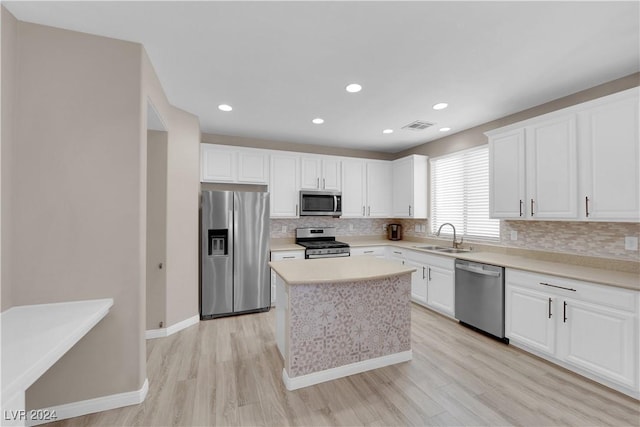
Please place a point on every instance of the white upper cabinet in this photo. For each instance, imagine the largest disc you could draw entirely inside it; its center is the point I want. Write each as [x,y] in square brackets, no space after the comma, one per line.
[354,188]
[320,173]
[217,164]
[610,159]
[507,175]
[284,185]
[253,167]
[410,187]
[579,163]
[220,163]
[379,185]
[366,188]
[552,184]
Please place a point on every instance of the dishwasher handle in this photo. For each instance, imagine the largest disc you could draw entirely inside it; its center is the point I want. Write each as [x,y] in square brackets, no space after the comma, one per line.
[476,270]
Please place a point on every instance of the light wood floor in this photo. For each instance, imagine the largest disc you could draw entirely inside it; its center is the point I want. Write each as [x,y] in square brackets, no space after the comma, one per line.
[227,372]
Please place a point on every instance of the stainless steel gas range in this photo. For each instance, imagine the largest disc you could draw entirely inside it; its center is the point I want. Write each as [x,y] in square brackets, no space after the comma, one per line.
[320,242]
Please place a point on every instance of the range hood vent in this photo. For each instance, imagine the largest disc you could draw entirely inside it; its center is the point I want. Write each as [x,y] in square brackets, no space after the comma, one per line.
[417,125]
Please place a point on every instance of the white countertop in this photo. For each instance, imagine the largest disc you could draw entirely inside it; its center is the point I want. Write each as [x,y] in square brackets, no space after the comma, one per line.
[336,270]
[602,276]
[34,337]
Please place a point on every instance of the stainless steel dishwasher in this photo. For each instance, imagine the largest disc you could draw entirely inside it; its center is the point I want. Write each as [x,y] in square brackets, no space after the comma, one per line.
[480,297]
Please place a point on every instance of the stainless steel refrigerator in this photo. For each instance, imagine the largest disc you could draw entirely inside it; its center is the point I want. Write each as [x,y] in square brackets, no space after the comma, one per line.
[235,275]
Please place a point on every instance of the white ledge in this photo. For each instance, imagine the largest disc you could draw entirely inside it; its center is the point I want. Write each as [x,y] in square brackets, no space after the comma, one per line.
[34,337]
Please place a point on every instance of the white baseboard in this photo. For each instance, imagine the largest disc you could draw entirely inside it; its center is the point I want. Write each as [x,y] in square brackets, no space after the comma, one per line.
[165,332]
[90,406]
[344,371]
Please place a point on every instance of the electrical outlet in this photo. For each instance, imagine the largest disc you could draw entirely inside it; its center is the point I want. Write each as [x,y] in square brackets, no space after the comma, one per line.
[417,228]
[284,228]
[631,243]
[514,235]
[423,228]
[350,227]
[384,227]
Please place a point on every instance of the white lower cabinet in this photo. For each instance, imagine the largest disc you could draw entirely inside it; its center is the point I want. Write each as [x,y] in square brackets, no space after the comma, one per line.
[433,282]
[589,328]
[280,256]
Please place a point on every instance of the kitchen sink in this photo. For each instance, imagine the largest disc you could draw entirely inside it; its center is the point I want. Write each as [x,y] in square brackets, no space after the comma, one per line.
[443,249]
[453,250]
[432,248]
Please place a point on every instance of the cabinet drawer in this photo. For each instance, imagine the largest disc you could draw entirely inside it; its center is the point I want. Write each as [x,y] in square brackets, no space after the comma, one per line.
[282,255]
[621,299]
[369,250]
[432,260]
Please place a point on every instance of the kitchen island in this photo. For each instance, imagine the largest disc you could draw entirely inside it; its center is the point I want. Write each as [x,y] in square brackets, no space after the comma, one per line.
[340,316]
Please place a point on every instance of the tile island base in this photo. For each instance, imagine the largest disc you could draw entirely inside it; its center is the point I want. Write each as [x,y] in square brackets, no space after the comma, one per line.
[356,319]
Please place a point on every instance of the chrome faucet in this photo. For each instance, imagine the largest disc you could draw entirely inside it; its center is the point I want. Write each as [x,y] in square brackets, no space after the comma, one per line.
[456,244]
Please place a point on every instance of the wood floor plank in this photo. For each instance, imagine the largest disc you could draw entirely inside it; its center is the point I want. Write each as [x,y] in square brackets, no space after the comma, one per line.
[228,372]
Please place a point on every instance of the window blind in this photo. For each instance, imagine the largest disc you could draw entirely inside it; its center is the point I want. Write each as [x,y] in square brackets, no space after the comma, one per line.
[460,194]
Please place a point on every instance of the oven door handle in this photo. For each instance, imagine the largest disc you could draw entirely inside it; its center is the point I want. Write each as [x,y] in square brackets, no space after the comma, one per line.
[478,270]
[335,203]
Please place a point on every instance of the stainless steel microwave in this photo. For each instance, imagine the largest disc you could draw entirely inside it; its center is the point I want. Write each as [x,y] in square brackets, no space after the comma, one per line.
[324,203]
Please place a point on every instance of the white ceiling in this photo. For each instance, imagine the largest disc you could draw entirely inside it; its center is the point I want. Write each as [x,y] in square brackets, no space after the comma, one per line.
[281,64]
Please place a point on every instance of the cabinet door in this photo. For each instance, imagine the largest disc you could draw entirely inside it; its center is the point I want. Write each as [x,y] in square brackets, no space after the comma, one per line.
[402,178]
[284,186]
[217,165]
[418,282]
[331,174]
[310,173]
[507,175]
[598,339]
[552,169]
[610,161]
[530,318]
[440,289]
[253,167]
[353,188]
[378,189]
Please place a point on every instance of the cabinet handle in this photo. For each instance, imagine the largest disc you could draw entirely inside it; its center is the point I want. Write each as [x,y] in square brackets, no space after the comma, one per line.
[317,182]
[368,252]
[549,308]
[556,286]
[409,210]
[396,252]
[323,184]
[160,266]
[296,209]
[423,272]
[565,312]
[363,211]
[521,205]
[531,207]
[586,206]
[429,275]
[288,257]
[369,211]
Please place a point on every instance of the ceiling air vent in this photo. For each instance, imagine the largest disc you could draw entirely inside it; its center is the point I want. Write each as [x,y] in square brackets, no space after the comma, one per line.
[417,125]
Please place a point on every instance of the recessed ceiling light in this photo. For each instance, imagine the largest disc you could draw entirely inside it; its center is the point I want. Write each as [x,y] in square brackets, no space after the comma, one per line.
[440,106]
[225,107]
[387,131]
[318,121]
[353,88]
[445,129]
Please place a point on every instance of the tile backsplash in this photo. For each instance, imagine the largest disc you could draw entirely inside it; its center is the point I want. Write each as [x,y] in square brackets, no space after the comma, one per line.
[597,239]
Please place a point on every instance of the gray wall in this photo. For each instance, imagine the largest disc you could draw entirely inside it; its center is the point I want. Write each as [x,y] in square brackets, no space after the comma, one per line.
[77,187]
[8,62]
[157,142]
[74,197]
